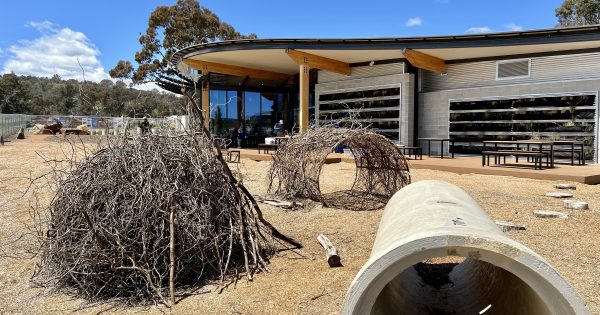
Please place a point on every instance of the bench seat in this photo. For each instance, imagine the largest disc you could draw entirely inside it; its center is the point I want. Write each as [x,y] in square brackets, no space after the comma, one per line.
[267,147]
[417,152]
[535,155]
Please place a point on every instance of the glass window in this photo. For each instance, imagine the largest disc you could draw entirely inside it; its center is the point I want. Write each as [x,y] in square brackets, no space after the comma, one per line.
[218,111]
[251,111]
[268,112]
[232,112]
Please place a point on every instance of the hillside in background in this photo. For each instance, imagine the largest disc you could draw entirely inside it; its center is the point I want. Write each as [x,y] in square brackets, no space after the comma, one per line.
[55,96]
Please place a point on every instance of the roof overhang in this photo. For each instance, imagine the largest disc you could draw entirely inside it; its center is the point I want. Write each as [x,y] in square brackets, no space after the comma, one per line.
[270,54]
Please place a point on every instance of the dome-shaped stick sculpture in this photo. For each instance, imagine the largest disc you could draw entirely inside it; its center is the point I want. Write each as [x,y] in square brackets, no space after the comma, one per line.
[381,168]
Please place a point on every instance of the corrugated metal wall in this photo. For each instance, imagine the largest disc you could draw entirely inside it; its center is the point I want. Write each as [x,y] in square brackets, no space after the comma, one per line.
[481,74]
[363,72]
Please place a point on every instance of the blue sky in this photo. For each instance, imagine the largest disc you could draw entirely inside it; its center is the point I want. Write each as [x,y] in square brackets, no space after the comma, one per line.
[42,37]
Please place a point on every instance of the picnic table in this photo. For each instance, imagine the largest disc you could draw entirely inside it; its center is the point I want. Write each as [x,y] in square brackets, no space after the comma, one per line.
[441,141]
[575,147]
[518,151]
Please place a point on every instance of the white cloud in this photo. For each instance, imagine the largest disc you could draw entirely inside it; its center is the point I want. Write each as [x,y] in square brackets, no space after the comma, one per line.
[479,29]
[45,27]
[58,51]
[416,21]
[146,86]
[513,27]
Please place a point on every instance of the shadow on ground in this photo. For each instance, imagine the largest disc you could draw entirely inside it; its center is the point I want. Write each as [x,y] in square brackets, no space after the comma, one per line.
[354,200]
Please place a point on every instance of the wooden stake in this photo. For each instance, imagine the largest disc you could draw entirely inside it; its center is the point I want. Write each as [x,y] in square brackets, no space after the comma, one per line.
[172,256]
[330,251]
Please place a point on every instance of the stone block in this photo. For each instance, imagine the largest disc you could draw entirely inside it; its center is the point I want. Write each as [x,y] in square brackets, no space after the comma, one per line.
[575,205]
[559,195]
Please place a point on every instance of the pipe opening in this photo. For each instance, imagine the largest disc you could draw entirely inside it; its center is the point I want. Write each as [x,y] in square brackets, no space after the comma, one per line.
[454,285]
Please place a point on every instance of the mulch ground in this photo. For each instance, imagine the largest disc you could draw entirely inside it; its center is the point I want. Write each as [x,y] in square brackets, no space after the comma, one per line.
[300,281]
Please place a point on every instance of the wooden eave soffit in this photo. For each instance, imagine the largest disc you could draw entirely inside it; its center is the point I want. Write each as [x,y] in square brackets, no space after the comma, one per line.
[318,62]
[207,67]
[425,61]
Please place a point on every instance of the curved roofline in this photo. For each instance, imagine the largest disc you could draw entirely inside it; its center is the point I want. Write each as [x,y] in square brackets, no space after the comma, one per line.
[542,36]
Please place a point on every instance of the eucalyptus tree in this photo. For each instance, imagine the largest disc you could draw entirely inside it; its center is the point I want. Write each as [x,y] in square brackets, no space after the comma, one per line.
[578,12]
[171,28]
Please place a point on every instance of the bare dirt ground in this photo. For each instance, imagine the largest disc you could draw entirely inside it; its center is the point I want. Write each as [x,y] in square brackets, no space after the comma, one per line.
[300,282]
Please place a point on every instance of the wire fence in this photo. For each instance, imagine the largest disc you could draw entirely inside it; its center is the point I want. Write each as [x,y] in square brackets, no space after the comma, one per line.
[11,123]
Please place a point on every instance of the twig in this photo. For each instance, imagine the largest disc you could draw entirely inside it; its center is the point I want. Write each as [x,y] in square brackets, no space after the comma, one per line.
[172,255]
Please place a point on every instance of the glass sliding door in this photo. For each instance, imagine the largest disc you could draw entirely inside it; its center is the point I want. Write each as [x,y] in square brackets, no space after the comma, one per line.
[218,112]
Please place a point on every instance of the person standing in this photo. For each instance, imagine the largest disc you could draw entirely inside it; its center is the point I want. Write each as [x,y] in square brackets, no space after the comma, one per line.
[279,128]
[145,125]
[276,128]
[234,135]
[241,136]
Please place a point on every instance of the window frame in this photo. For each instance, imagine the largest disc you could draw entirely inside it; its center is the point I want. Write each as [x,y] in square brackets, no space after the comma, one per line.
[498,63]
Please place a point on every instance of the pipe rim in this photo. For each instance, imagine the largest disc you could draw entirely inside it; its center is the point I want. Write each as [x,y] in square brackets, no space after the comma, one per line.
[519,260]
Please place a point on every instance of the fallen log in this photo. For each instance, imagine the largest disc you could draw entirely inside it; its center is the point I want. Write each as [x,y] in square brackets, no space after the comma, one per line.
[333,259]
[280,203]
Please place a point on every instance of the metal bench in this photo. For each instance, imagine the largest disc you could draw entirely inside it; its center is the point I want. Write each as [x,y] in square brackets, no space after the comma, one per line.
[575,151]
[417,152]
[233,155]
[536,156]
[267,147]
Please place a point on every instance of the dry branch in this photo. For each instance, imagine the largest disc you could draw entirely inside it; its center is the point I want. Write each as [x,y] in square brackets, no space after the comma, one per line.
[333,259]
[141,217]
[280,203]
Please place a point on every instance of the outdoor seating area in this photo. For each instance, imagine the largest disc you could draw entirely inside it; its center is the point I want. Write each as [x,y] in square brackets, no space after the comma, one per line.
[535,151]
[412,152]
[471,164]
[534,155]
[441,141]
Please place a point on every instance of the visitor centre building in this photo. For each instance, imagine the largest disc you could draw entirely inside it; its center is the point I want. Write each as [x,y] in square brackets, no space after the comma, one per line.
[469,88]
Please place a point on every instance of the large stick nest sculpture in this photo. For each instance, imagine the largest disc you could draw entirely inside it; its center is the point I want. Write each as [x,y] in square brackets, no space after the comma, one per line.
[381,168]
[141,216]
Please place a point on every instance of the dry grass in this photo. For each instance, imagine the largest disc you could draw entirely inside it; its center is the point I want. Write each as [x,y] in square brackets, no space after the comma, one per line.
[301,282]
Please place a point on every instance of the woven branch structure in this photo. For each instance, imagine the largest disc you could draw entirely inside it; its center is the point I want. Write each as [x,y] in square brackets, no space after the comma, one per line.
[141,217]
[381,168]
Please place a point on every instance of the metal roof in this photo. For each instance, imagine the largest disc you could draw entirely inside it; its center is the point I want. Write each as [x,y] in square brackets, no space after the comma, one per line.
[533,37]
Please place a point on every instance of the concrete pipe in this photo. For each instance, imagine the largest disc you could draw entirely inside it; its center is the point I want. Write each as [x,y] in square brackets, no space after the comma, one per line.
[479,270]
